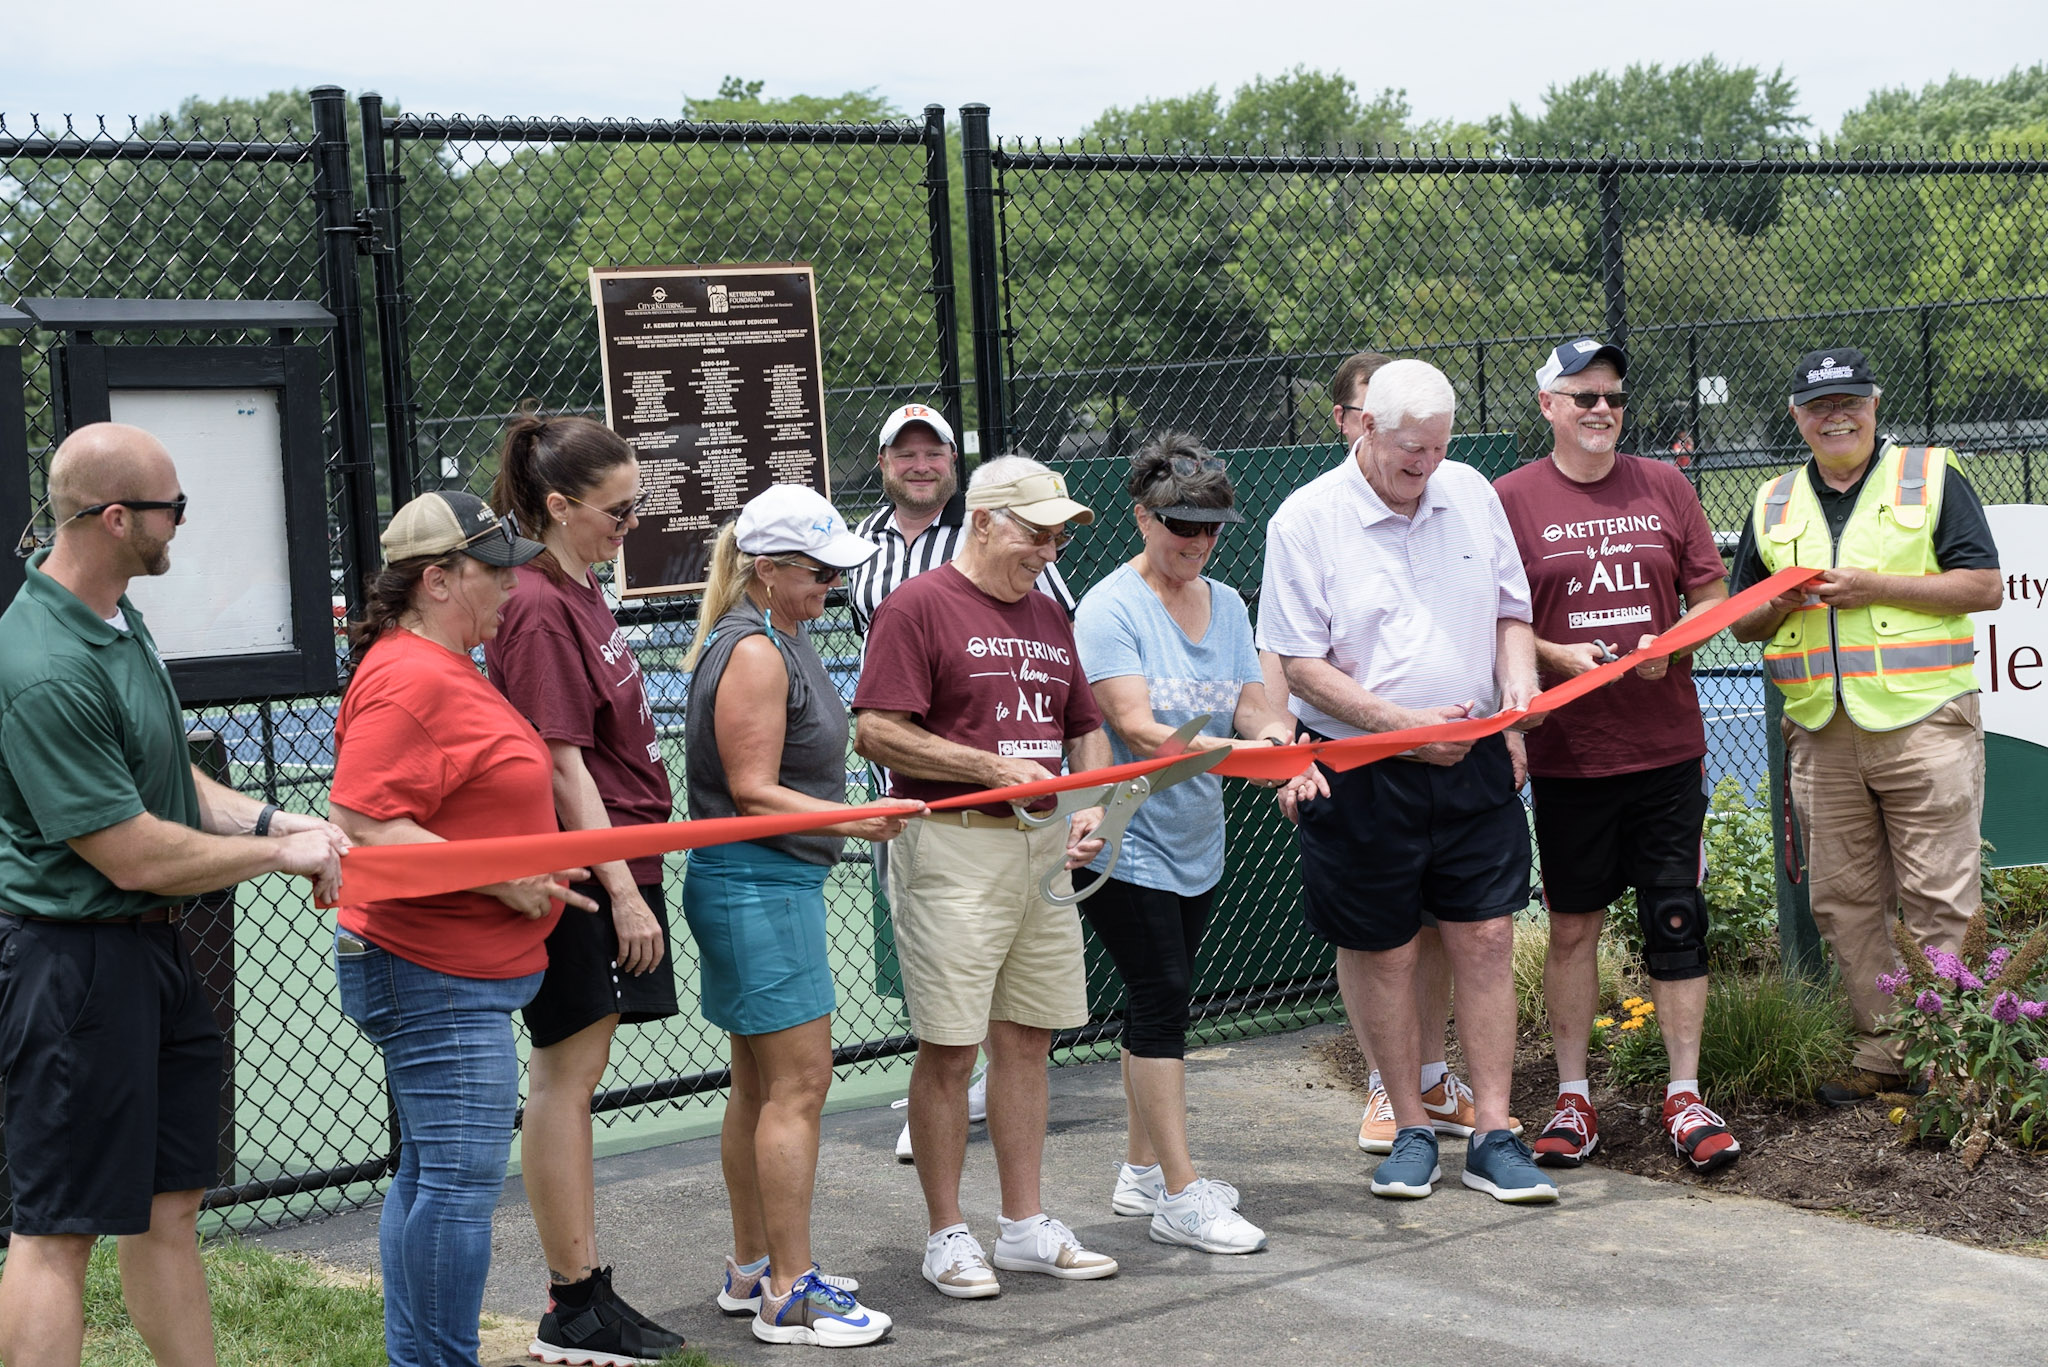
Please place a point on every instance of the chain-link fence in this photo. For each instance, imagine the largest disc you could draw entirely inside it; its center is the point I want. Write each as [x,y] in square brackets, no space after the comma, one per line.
[1115,291]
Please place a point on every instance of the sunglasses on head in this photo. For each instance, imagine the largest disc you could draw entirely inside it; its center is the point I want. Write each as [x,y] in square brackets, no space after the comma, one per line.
[823,574]
[1615,399]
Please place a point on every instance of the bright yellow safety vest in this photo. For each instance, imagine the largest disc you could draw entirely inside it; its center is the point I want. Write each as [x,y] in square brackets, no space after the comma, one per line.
[1891,665]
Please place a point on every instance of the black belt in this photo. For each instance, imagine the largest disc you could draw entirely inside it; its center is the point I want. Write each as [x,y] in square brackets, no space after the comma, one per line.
[155,916]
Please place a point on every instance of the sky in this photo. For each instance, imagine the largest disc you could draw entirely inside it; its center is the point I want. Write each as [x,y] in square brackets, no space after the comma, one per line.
[1044,68]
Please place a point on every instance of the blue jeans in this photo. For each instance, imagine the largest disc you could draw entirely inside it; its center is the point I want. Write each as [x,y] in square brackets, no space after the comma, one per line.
[454,1078]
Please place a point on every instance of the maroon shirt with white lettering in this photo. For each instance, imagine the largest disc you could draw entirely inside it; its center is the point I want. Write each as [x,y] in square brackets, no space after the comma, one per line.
[562,660]
[1607,562]
[1001,677]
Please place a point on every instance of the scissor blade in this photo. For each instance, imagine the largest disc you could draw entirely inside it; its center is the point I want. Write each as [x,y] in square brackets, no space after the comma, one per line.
[1182,735]
[1199,763]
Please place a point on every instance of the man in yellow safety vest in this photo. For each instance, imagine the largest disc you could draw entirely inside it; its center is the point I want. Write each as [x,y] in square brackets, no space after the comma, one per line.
[1884,744]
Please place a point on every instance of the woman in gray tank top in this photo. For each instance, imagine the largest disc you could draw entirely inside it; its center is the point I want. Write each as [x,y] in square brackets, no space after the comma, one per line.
[766,734]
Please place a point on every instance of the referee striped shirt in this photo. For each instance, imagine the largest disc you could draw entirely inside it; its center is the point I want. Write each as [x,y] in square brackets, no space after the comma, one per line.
[868,585]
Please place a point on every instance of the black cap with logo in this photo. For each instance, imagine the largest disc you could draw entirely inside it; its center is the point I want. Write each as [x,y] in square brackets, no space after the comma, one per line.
[1840,371]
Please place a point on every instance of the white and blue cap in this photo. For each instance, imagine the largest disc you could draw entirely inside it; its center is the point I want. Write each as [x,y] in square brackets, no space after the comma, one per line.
[790,519]
[1575,356]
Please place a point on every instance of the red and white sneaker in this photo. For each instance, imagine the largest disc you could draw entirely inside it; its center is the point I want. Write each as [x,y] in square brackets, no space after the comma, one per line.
[1698,1135]
[1571,1136]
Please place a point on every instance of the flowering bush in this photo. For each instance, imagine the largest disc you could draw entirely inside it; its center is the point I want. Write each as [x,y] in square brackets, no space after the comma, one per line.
[1978,1035]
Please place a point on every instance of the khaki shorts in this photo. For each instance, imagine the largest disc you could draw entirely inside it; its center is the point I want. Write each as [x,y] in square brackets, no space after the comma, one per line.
[976,939]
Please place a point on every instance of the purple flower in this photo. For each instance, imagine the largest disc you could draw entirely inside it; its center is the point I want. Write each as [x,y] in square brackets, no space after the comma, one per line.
[1929,1002]
[1994,964]
[1890,983]
[2006,1009]
[1970,981]
[2033,1011]
[1946,965]
[2042,1064]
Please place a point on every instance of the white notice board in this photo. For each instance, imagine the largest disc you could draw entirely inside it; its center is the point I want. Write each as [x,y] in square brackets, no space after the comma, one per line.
[228,591]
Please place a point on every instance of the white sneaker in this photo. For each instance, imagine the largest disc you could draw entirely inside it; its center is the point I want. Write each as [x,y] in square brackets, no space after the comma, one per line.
[1138,1190]
[1043,1244]
[977,1110]
[1204,1216]
[954,1263]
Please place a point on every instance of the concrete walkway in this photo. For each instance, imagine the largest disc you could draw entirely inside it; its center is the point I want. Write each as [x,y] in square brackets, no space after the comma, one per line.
[1622,1271]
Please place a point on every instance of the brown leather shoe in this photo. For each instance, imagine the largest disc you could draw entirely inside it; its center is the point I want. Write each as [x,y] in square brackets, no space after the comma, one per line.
[1861,1084]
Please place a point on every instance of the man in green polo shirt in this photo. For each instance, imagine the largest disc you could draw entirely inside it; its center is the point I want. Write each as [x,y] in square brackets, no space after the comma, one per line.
[108,1048]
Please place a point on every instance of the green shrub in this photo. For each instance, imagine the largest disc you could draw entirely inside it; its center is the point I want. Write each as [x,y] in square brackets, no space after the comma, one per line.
[1766,1038]
[2016,899]
[1532,942]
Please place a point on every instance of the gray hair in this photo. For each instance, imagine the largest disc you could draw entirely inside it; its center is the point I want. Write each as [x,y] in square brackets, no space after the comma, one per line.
[1876,392]
[1409,391]
[1003,469]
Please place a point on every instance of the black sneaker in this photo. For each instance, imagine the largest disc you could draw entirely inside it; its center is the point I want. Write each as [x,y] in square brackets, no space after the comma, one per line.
[605,1333]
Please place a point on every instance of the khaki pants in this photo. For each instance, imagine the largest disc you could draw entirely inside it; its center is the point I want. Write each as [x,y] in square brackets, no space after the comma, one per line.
[1891,819]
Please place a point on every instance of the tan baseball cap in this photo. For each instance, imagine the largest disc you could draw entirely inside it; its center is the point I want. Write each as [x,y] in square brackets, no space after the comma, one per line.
[1039,497]
[454,520]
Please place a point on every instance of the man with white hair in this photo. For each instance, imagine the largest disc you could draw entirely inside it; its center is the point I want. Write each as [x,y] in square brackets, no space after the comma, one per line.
[972,681]
[1394,594]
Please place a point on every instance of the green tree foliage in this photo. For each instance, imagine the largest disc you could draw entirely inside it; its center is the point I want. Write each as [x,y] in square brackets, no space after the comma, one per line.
[1960,112]
[1300,109]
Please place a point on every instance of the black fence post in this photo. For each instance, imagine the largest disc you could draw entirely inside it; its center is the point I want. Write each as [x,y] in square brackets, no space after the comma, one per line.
[1611,282]
[945,301]
[334,201]
[989,392]
[1927,374]
[387,262]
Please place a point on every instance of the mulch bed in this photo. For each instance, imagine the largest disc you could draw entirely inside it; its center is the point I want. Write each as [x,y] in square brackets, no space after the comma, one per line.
[1846,1161]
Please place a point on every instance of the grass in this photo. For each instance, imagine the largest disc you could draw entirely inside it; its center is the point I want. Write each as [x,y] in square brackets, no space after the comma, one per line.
[1766,1038]
[1532,941]
[268,1309]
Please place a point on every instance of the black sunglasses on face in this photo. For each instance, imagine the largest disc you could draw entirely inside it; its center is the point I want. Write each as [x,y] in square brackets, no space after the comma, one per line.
[135,505]
[1617,399]
[619,518]
[823,574]
[1189,531]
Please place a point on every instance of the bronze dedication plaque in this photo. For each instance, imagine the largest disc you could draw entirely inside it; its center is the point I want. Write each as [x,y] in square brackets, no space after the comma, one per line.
[714,375]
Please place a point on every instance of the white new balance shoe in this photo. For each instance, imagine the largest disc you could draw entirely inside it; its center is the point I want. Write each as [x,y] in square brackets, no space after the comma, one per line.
[1204,1216]
[977,1110]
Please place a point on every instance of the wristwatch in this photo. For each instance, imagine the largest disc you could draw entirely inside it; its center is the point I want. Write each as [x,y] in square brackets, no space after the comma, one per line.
[262,826]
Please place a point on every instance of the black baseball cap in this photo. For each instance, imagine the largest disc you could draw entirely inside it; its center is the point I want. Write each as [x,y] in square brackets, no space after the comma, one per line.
[1839,371]
[1576,355]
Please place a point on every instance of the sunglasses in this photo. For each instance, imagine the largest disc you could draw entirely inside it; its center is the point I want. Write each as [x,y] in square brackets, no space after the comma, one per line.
[632,510]
[823,574]
[1617,399]
[1040,536]
[1189,531]
[26,544]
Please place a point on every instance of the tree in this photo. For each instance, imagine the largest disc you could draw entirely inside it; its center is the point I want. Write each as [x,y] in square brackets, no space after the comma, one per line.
[1301,110]
[1961,112]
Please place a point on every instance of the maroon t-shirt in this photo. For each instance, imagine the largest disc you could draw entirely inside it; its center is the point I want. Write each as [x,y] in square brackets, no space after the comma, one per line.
[562,660]
[1001,677]
[1607,562]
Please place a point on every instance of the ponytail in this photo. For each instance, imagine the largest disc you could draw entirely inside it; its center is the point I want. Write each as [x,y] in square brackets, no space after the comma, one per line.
[543,455]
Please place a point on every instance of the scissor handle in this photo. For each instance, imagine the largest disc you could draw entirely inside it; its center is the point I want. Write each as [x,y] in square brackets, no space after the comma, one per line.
[1120,804]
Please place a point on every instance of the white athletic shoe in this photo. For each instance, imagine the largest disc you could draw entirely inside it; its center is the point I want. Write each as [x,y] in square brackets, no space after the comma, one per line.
[817,1313]
[1043,1244]
[1138,1190]
[955,1264]
[977,1110]
[1204,1216]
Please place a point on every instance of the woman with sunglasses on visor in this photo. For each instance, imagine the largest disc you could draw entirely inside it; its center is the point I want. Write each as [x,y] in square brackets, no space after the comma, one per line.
[766,734]
[561,659]
[1162,644]
[425,751]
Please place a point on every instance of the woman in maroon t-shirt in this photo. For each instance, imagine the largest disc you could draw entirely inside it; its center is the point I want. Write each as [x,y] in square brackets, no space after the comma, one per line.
[562,660]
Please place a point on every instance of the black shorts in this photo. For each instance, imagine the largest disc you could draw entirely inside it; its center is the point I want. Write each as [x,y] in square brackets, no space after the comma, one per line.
[1598,837]
[583,984]
[1152,936]
[112,1061]
[1399,838]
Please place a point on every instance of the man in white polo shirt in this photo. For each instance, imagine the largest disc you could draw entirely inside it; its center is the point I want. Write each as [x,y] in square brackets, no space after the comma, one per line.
[1395,596]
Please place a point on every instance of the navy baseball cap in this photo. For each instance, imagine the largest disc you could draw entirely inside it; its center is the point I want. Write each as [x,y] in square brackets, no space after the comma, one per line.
[1840,371]
[1575,356]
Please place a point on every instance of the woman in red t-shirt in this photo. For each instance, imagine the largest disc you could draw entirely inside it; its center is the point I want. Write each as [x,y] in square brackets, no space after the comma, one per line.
[425,751]
[561,659]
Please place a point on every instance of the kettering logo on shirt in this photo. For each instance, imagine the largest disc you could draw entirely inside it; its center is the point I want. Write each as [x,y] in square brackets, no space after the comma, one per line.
[1603,526]
[1015,648]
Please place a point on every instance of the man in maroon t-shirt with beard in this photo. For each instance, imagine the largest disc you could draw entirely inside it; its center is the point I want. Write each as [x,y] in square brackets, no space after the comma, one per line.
[1616,548]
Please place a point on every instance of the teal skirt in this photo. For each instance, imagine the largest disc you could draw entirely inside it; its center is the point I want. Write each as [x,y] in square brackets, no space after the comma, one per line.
[758,917]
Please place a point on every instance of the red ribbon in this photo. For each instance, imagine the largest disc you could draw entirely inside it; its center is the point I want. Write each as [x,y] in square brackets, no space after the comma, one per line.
[376,873]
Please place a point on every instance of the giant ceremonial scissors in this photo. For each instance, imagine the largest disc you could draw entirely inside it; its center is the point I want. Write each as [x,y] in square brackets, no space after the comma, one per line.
[1119,802]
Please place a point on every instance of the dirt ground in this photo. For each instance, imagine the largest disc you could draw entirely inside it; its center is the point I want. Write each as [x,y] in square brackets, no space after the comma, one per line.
[1848,1161]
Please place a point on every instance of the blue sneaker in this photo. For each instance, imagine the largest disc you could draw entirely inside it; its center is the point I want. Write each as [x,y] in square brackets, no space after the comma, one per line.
[818,1313]
[1410,1171]
[1502,1166]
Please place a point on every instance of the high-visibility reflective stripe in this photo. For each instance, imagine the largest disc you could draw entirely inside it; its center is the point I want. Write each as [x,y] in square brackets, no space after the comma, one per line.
[1775,501]
[1927,655]
[1820,664]
[1855,662]
[1912,487]
[1785,668]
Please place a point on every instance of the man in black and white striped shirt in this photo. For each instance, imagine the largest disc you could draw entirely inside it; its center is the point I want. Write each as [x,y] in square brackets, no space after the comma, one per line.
[920,527]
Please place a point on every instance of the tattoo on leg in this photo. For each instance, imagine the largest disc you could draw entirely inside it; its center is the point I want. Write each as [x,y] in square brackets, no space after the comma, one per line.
[558,1278]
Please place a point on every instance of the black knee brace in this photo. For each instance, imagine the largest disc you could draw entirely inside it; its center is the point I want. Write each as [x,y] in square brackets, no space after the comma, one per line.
[1674,922]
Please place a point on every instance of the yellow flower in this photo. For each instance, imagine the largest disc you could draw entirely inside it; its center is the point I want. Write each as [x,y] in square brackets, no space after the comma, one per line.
[1898,1115]
[1604,1022]
[1631,1003]
[1633,1024]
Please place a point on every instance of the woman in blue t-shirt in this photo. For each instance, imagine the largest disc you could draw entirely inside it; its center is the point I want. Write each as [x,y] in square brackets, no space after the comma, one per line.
[1162,644]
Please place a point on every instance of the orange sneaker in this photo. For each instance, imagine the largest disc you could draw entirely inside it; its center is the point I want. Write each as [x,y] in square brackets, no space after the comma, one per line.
[1376,1130]
[1451,1111]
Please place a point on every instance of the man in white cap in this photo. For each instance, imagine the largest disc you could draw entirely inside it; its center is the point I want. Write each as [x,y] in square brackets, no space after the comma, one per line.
[972,681]
[918,529]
